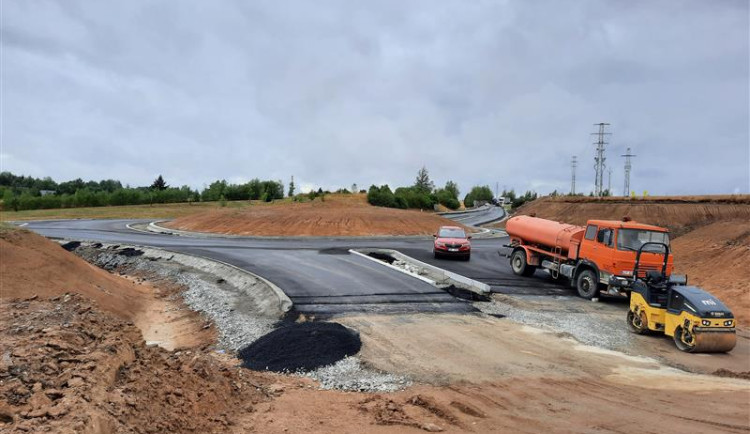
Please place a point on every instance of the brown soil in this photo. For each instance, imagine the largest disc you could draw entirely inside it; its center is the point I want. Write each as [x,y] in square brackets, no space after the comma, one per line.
[712,244]
[717,258]
[67,367]
[31,265]
[680,214]
[338,215]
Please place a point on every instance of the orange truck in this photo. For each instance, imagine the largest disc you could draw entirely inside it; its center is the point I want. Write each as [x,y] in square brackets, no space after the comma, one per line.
[597,258]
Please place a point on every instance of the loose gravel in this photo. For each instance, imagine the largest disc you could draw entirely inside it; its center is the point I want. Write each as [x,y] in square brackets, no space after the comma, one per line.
[349,374]
[239,324]
[585,326]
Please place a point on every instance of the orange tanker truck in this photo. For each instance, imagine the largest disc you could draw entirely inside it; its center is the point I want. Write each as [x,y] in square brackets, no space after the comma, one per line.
[598,257]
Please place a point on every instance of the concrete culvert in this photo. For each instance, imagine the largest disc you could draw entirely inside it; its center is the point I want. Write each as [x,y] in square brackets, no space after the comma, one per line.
[301,347]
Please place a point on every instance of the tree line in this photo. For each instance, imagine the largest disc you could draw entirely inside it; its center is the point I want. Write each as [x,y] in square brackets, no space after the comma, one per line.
[422,194]
[28,193]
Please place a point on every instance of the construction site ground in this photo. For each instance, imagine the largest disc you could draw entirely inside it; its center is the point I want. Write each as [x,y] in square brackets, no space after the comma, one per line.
[337,215]
[73,357]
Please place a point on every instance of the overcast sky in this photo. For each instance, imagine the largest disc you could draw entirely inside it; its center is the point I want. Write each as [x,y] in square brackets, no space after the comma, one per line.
[342,92]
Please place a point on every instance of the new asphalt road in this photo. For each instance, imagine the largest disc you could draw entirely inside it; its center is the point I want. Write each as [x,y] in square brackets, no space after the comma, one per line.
[319,274]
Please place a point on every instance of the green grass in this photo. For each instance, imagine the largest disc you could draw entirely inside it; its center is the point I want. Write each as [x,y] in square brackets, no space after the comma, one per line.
[172,210]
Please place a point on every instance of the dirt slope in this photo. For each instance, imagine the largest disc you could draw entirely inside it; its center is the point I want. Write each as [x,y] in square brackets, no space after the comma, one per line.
[679,214]
[717,257]
[33,265]
[711,236]
[338,215]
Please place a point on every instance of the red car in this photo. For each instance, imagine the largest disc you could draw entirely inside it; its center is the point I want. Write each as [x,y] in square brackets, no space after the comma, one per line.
[452,241]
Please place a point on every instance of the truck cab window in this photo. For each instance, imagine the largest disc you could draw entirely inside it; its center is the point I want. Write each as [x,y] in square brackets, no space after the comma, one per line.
[605,237]
[590,232]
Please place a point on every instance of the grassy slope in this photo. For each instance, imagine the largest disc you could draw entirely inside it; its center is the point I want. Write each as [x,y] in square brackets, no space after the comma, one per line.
[173,210]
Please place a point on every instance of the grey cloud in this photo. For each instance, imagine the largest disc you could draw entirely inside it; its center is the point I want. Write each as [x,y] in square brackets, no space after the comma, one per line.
[341,92]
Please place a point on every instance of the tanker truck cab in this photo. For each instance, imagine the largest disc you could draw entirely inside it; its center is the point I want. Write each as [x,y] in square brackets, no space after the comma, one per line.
[609,247]
[598,257]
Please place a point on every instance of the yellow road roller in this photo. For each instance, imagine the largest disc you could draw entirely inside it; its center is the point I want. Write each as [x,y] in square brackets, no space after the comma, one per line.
[696,320]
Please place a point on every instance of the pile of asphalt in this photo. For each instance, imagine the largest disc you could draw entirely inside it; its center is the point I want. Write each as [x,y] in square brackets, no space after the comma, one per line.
[301,347]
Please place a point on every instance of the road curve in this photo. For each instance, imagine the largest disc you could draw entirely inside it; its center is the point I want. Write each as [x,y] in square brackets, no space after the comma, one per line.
[319,275]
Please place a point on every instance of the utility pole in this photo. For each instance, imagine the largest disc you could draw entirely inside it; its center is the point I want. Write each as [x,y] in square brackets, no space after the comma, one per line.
[609,181]
[599,158]
[628,155]
[497,188]
[573,165]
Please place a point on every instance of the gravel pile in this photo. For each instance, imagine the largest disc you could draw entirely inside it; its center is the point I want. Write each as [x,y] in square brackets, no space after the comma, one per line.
[218,300]
[349,374]
[586,327]
[301,347]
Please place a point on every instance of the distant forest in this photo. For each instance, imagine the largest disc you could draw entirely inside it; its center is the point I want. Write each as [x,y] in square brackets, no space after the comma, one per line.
[26,192]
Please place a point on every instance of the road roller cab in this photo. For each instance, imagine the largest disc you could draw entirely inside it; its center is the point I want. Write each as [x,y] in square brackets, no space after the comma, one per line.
[696,320]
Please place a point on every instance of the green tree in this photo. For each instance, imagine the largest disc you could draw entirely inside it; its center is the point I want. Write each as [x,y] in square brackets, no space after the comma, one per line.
[452,188]
[478,193]
[10,200]
[291,187]
[423,182]
[159,184]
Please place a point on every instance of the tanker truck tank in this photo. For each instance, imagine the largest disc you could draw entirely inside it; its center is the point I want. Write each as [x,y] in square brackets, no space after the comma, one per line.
[548,233]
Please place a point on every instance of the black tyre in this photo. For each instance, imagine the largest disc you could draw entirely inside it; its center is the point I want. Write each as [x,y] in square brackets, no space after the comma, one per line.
[436,255]
[684,340]
[587,285]
[637,324]
[467,257]
[519,265]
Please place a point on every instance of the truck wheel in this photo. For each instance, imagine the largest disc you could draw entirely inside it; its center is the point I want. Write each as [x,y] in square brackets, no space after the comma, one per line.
[519,265]
[587,285]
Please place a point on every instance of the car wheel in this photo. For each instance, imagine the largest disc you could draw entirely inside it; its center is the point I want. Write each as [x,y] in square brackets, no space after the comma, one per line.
[467,257]
[587,285]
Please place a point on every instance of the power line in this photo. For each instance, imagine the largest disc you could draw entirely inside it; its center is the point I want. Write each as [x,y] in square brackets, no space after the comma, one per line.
[573,165]
[628,165]
[599,158]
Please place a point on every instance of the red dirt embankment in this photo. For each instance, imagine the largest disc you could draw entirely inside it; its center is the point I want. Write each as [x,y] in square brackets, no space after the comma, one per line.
[33,265]
[711,235]
[338,215]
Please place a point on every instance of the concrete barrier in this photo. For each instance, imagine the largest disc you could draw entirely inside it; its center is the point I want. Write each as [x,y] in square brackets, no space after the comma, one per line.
[434,275]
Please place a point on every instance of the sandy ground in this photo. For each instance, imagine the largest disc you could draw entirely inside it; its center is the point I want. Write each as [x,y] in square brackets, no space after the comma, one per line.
[338,215]
[712,243]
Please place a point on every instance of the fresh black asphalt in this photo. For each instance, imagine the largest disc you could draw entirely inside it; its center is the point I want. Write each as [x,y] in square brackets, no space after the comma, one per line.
[319,274]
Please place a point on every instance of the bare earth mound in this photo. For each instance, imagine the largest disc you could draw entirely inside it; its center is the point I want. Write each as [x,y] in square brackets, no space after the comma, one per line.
[679,214]
[717,257]
[712,244]
[33,265]
[338,215]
